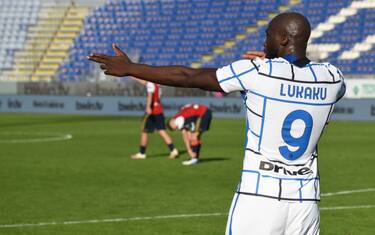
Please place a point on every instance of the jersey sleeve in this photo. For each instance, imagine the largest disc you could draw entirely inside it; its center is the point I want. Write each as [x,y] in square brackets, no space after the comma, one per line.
[236,76]
[342,90]
[337,75]
[150,87]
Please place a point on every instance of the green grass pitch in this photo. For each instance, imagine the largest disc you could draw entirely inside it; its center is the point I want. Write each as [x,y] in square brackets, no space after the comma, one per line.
[91,177]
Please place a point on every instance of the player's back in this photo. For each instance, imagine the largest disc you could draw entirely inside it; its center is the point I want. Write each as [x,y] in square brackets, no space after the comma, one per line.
[288,106]
[156,105]
[291,106]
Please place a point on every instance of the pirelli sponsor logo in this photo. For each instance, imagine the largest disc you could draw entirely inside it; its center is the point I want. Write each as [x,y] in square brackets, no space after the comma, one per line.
[283,169]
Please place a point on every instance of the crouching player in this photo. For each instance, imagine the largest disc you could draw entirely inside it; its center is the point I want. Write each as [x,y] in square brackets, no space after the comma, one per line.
[192,120]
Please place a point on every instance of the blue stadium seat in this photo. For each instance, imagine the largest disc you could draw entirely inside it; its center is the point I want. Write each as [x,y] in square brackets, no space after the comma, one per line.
[181,31]
[178,31]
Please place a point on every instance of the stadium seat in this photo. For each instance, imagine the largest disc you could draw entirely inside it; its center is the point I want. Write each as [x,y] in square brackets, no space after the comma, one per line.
[178,31]
[183,31]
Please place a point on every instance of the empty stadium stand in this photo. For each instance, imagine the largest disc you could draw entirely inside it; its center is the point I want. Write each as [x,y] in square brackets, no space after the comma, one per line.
[37,37]
[165,32]
[15,18]
[43,40]
[343,34]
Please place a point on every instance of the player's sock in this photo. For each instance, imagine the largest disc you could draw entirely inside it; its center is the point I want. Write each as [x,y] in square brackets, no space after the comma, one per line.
[171,147]
[142,149]
[196,149]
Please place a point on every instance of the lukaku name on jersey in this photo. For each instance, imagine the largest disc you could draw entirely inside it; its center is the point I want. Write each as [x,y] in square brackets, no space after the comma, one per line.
[303,92]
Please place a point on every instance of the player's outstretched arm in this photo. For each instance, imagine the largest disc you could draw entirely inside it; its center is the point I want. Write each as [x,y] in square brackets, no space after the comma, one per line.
[179,76]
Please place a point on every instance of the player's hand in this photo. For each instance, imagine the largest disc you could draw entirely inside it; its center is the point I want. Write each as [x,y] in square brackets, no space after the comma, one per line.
[117,65]
[254,54]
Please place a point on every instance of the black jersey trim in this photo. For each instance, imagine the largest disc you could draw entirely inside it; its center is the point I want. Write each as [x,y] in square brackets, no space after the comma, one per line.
[253,112]
[333,77]
[258,153]
[280,189]
[297,165]
[301,62]
[256,67]
[287,79]
[292,69]
[281,198]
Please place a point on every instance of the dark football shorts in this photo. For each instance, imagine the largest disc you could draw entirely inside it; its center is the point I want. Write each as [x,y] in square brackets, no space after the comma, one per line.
[203,123]
[152,122]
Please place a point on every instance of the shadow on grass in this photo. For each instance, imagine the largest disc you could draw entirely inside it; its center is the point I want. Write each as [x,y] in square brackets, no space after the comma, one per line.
[182,152]
[183,158]
[213,159]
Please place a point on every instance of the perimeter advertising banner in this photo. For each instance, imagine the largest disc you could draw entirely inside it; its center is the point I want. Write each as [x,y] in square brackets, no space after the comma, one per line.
[346,109]
[130,106]
[360,88]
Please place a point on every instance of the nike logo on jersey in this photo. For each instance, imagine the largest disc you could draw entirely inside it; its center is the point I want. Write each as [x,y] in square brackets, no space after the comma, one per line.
[298,91]
[268,166]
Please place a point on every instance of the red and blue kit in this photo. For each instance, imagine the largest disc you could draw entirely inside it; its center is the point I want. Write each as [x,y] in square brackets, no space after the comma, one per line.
[156,106]
[156,119]
[194,117]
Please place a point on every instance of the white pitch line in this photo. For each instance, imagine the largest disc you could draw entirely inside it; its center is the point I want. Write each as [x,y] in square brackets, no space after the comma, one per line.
[114,220]
[97,221]
[57,137]
[348,192]
[346,207]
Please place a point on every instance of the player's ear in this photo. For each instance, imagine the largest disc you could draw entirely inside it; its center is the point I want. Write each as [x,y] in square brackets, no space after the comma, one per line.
[284,40]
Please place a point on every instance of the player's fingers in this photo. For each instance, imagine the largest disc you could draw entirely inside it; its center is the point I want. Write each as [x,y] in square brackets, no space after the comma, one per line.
[247,56]
[260,53]
[254,53]
[117,50]
[98,57]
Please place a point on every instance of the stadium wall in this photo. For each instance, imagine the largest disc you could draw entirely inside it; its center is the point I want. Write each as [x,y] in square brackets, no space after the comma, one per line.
[128,98]
[129,106]
[346,109]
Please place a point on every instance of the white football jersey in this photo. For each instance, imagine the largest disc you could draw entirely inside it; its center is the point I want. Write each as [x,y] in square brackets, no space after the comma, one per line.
[288,108]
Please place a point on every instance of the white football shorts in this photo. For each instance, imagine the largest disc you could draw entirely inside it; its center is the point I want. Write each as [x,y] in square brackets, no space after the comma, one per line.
[255,215]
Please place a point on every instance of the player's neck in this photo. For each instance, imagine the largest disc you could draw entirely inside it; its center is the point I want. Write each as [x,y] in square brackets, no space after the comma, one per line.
[292,50]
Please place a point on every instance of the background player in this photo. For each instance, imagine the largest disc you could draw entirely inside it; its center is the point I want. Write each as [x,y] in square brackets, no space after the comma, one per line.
[192,120]
[289,100]
[154,119]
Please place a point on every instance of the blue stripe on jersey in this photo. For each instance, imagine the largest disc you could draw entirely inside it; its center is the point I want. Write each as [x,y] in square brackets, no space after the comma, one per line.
[238,75]
[231,215]
[300,191]
[261,128]
[280,178]
[313,73]
[258,178]
[291,101]
[276,61]
[270,62]
[234,74]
